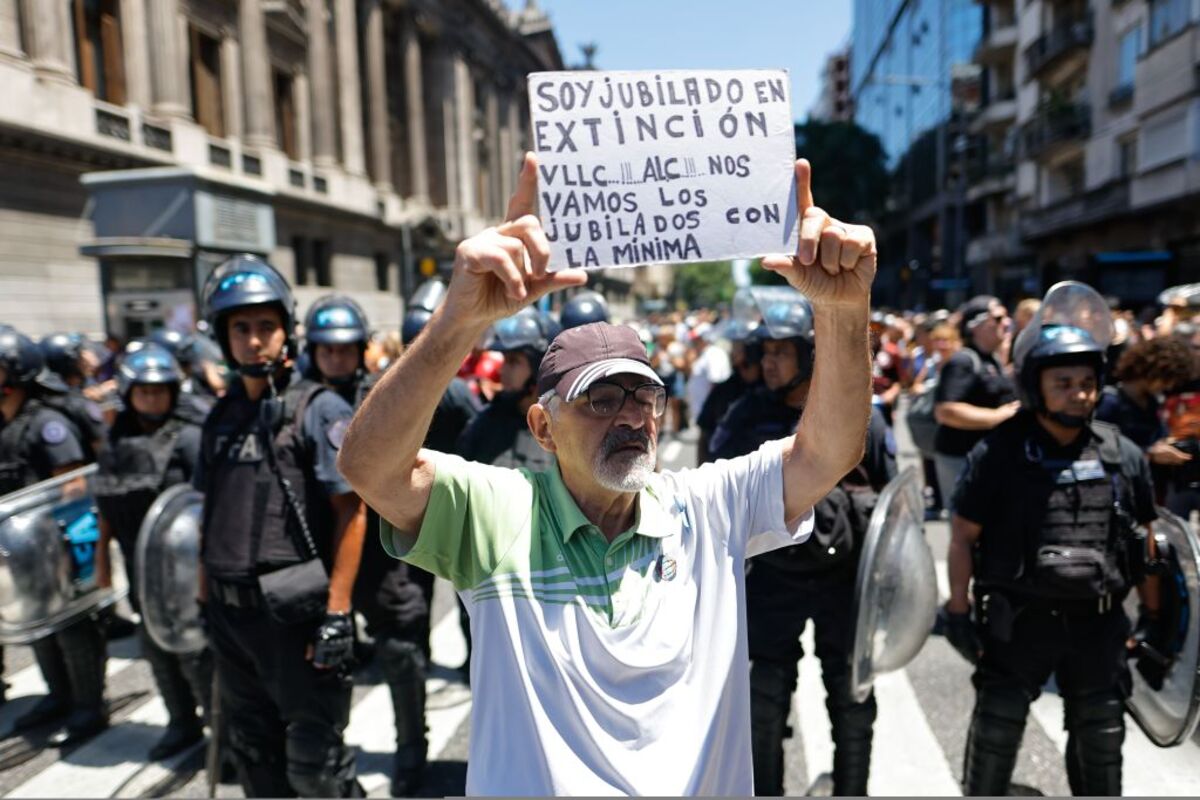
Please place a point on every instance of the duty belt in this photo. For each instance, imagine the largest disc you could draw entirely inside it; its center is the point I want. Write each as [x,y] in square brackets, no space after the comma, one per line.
[1077,606]
[237,595]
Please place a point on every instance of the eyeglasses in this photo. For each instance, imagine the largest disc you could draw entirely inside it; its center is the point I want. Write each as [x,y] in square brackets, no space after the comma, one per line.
[607,399]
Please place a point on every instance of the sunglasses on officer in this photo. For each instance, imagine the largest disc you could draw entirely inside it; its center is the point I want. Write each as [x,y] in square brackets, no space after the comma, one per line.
[607,399]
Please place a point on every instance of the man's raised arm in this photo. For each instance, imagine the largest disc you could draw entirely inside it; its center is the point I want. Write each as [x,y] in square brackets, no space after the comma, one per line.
[834,268]
[496,273]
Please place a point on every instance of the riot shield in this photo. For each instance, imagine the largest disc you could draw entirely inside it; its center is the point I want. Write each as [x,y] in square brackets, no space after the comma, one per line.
[1168,716]
[48,537]
[895,594]
[168,570]
[1067,303]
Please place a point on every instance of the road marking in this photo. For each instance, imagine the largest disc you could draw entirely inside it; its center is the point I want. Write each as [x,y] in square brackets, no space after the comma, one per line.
[28,682]
[1148,770]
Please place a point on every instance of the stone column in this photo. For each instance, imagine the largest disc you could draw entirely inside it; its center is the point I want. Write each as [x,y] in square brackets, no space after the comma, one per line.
[259,102]
[300,93]
[445,89]
[231,84]
[168,80]
[10,30]
[497,159]
[377,98]
[510,158]
[135,45]
[320,74]
[468,164]
[414,94]
[48,37]
[349,90]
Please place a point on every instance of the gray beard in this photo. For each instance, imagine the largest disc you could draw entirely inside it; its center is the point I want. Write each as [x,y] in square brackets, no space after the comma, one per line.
[626,471]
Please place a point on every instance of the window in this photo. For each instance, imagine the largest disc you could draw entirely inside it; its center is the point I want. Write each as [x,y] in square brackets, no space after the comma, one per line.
[207,102]
[1167,18]
[320,261]
[285,116]
[300,258]
[1127,157]
[1128,49]
[100,59]
[382,267]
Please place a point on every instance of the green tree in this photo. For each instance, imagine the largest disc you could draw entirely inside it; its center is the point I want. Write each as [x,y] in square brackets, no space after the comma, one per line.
[705,283]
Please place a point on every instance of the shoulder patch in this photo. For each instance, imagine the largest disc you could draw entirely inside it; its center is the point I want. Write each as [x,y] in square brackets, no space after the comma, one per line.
[336,432]
[54,432]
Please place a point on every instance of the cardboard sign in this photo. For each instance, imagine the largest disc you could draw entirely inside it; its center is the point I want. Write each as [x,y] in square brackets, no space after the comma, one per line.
[665,166]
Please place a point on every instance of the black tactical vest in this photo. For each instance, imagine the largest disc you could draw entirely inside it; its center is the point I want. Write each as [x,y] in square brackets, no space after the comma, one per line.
[1060,533]
[133,470]
[16,462]
[249,525]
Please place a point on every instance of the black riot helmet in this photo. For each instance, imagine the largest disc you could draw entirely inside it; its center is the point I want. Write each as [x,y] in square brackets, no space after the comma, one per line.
[241,281]
[150,364]
[335,319]
[424,301]
[523,332]
[174,342]
[1057,346]
[791,320]
[20,358]
[583,308]
[550,324]
[61,352]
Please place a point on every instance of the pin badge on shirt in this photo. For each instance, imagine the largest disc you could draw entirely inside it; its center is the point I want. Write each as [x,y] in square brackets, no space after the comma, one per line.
[665,569]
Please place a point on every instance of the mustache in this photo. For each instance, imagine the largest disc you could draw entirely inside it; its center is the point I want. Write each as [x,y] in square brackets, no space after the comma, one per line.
[620,437]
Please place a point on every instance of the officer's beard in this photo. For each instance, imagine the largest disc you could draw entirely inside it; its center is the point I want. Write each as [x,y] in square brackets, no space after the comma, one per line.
[620,468]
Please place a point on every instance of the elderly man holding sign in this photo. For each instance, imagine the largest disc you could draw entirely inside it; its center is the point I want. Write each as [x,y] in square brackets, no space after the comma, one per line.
[607,600]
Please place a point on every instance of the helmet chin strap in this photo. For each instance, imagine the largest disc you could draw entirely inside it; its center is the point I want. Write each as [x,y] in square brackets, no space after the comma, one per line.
[1068,420]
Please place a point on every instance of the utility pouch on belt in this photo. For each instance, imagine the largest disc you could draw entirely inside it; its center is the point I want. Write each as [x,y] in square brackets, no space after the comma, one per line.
[996,616]
[1071,572]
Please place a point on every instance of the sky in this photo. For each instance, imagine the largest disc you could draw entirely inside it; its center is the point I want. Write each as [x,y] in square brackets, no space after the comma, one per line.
[795,35]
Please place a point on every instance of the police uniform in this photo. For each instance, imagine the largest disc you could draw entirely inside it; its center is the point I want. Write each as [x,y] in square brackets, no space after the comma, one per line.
[135,468]
[1053,562]
[500,436]
[814,581]
[33,445]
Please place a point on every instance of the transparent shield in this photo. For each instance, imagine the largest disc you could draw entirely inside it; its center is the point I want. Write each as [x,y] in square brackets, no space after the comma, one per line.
[1067,303]
[48,537]
[895,594]
[1169,716]
[168,570]
[774,303]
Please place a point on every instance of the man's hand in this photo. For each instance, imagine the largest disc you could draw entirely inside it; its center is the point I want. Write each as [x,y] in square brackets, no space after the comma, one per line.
[835,262]
[959,630]
[1164,453]
[503,269]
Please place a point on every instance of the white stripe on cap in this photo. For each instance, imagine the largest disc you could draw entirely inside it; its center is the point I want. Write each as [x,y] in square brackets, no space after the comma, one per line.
[607,368]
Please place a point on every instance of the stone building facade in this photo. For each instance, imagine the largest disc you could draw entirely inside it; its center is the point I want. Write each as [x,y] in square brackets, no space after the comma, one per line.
[352,142]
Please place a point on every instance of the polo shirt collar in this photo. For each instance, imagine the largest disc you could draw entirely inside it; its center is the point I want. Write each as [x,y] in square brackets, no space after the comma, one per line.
[651,518]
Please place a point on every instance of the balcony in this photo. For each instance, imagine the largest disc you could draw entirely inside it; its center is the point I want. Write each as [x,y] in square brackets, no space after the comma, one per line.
[1066,38]
[995,246]
[994,173]
[998,113]
[1089,208]
[1054,126]
[997,45]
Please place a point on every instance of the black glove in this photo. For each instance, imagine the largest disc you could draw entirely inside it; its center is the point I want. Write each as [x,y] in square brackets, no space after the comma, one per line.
[1150,649]
[960,632]
[333,645]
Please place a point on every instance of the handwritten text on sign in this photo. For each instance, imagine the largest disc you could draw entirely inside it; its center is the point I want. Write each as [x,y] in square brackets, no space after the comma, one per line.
[665,166]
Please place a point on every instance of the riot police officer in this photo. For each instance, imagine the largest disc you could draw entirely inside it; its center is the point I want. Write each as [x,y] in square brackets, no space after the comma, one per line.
[153,445]
[282,536]
[787,588]
[499,435]
[583,308]
[393,596]
[1043,523]
[745,357]
[63,353]
[197,358]
[37,443]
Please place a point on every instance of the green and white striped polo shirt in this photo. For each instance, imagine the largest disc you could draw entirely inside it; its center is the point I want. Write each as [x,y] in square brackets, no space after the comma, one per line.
[604,668]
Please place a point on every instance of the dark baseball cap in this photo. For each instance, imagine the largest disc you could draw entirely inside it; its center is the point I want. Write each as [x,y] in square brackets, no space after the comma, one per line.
[578,357]
[975,310]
